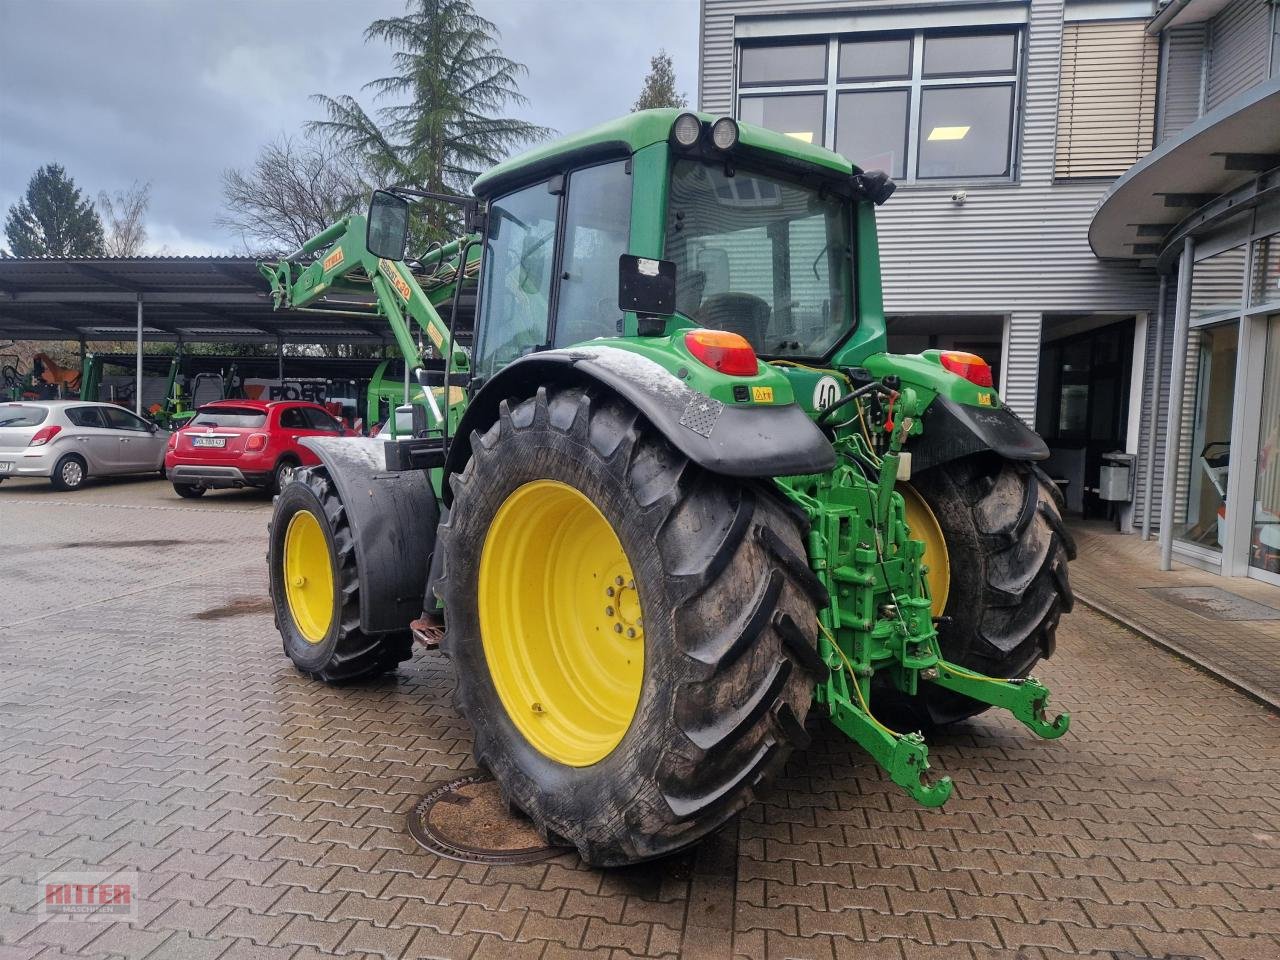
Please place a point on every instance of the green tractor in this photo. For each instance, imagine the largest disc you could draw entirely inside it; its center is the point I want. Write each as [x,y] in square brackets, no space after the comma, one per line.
[665,489]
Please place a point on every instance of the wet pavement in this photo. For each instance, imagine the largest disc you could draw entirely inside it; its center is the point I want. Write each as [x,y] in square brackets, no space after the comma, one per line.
[150,727]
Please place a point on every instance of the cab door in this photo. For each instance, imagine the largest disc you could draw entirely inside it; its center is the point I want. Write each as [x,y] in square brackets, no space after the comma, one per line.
[519,260]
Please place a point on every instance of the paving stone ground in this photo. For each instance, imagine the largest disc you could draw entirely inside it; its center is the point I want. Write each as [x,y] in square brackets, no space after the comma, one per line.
[1120,575]
[149,723]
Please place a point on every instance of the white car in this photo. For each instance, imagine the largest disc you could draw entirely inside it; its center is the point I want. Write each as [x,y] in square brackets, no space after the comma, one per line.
[69,441]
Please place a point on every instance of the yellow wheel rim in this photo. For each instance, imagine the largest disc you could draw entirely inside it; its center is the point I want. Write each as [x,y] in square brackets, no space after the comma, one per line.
[561,623]
[924,526]
[308,576]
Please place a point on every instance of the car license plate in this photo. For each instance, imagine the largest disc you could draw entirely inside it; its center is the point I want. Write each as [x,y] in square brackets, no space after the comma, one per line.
[6,466]
[208,441]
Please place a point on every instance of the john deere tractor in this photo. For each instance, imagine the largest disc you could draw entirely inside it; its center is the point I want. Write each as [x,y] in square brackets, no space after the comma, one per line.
[665,490]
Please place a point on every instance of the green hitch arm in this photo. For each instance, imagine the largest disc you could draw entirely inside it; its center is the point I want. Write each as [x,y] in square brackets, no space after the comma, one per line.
[905,757]
[1025,699]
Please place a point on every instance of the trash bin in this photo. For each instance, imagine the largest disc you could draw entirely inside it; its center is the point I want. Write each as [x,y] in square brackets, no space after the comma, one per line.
[1115,480]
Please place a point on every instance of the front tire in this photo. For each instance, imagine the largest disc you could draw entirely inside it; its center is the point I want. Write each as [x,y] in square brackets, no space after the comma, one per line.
[315,586]
[714,586]
[1007,551]
[69,473]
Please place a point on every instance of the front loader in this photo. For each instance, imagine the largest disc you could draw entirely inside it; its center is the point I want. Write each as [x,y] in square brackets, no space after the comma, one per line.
[665,488]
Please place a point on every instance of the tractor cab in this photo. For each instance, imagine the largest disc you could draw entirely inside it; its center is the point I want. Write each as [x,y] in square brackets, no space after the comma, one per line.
[764,237]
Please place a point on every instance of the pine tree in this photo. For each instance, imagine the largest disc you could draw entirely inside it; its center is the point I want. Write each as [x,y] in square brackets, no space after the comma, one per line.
[438,126]
[53,219]
[660,85]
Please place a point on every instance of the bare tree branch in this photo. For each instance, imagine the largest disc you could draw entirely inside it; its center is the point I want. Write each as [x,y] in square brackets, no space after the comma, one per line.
[296,188]
[124,215]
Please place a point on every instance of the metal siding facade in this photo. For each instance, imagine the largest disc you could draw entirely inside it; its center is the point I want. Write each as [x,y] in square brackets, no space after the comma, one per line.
[1021,364]
[1014,246]
[1241,48]
[1160,371]
[1181,77]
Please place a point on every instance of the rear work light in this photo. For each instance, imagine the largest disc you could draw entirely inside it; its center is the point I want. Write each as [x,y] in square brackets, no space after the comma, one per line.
[729,353]
[44,435]
[968,365]
[256,441]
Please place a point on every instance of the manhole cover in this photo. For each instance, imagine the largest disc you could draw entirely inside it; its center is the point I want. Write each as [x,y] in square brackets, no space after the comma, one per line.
[1214,603]
[467,819]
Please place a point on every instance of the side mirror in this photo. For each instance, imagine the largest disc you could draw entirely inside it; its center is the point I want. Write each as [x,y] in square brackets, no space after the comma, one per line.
[875,185]
[387,230]
[646,286]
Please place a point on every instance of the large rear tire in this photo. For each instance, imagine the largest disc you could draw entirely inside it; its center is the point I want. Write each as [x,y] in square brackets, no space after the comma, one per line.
[628,753]
[315,586]
[1006,580]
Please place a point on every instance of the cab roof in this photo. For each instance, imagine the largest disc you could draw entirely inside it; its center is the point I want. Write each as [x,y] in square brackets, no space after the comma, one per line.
[625,135]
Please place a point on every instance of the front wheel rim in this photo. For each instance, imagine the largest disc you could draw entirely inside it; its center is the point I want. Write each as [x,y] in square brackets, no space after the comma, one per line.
[308,576]
[561,623]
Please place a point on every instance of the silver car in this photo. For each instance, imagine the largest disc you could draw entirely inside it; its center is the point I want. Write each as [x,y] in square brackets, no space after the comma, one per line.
[69,441]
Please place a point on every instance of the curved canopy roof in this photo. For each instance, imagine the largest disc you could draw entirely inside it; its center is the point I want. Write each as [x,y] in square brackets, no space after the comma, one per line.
[1225,149]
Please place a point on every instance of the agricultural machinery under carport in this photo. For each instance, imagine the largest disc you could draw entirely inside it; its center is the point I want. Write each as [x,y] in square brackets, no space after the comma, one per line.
[666,488]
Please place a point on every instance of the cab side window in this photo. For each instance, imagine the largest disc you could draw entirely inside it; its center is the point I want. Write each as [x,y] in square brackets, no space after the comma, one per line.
[293,419]
[87,417]
[118,419]
[519,254]
[597,231]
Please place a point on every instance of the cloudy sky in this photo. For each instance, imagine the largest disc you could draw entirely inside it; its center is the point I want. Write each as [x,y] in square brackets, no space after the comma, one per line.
[176,91]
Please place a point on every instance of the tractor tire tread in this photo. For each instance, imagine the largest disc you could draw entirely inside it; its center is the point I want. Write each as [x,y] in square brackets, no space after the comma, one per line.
[733,570]
[356,655]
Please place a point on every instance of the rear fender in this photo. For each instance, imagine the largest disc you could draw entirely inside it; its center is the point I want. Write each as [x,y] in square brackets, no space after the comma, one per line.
[393,517]
[953,430]
[737,441]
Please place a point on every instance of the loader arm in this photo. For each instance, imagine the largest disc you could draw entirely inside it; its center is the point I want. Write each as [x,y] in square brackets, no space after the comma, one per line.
[344,279]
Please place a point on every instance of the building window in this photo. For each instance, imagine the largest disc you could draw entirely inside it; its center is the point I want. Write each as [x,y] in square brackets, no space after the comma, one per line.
[1107,97]
[798,115]
[927,105]
[783,63]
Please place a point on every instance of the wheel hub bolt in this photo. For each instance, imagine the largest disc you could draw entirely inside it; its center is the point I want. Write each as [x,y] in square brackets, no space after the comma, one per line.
[617,628]
[618,580]
[299,582]
[608,611]
[631,632]
[536,707]
[609,591]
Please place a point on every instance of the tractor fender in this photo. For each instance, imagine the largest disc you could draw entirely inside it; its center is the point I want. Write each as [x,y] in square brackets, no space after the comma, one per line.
[751,440]
[954,430]
[393,517]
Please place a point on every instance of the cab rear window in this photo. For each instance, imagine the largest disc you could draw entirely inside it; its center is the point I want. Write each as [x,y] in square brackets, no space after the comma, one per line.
[229,417]
[21,415]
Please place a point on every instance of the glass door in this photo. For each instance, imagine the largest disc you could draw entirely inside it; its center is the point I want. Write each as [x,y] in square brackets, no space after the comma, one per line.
[1200,506]
[1264,543]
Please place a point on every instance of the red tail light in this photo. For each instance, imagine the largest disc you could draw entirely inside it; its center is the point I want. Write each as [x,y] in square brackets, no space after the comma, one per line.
[968,365]
[44,435]
[256,441]
[730,353]
[172,442]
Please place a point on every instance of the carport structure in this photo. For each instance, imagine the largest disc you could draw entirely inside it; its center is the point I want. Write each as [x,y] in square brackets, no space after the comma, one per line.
[166,299]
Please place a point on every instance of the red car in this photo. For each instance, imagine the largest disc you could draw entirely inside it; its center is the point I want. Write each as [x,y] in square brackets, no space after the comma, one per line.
[245,443]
